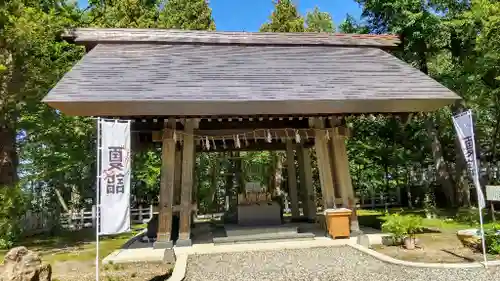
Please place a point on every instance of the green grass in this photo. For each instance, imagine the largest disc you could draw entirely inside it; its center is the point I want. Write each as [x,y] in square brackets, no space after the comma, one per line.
[446,220]
[74,245]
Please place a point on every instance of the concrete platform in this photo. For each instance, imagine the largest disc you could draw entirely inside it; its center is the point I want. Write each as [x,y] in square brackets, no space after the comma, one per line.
[304,236]
[160,255]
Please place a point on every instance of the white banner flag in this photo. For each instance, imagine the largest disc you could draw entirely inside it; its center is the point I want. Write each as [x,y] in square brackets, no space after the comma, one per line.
[465,130]
[115,177]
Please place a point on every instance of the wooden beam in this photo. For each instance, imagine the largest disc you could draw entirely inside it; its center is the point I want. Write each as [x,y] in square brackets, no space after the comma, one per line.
[166,191]
[338,178]
[292,179]
[338,153]
[175,208]
[324,167]
[178,176]
[306,183]
[249,134]
[252,146]
[251,123]
[343,174]
[336,189]
[187,184]
[194,199]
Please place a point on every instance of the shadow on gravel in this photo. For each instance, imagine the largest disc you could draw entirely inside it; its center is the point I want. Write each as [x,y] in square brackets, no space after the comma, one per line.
[467,259]
[161,277]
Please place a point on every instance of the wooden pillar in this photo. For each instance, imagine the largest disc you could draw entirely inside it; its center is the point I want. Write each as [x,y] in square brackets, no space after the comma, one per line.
[194,200]
[306,183]
[186,184]
[166,189]
[195,180]
[338,164]
[324,168]
[339,155]
[339,135]
[178,176]
[292,179]
[336,188]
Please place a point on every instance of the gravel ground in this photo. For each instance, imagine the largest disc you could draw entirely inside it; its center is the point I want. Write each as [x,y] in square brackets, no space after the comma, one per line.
[321,264]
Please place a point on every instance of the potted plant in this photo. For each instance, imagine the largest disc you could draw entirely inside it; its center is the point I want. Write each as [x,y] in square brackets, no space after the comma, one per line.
[412,225]
[403,229]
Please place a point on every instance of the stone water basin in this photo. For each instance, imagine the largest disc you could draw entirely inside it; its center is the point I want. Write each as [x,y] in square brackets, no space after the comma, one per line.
[471,238]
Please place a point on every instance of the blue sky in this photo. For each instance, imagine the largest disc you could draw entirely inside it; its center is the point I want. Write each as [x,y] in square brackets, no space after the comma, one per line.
[249,15]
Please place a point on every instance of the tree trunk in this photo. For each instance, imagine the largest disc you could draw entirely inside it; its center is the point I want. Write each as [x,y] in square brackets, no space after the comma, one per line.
[461,177]
[10,86]
[8,157]
[443,175]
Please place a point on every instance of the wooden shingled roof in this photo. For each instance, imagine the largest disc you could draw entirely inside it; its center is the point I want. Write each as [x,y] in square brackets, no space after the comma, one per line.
[199,73]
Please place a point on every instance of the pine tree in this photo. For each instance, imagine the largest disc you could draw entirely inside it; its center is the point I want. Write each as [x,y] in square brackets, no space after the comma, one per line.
[285,18]
[187,14]
[317,21]
[350,25]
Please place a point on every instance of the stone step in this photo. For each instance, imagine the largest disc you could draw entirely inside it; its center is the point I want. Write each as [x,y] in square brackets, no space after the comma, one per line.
[259,230]
[266,237]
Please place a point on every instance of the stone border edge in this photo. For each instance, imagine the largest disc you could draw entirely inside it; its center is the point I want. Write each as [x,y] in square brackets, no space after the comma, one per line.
[387,259]
[180,265]
[134,238]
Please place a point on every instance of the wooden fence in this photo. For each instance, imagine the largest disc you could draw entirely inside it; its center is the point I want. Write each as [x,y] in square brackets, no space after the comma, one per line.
[34,223]
[379,199]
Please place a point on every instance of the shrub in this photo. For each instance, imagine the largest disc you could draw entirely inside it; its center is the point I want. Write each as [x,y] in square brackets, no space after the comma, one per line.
[12,206]
[492,240]
[373,221]
[402,226]
[468,216]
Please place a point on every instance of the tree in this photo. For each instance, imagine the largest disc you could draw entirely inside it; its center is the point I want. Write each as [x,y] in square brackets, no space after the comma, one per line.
[285,18]
[187,14]
[32,60]
[350,25]
[123,14]
[317,21]
[31,56]
[422,38]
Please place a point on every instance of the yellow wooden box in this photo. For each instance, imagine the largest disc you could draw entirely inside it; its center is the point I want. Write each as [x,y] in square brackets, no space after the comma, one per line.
[338,222]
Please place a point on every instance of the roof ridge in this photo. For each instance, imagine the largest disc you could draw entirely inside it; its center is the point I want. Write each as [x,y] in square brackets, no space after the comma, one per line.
[92,36]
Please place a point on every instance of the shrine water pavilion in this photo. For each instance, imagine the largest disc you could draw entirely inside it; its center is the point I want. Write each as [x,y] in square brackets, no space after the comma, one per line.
[229,91]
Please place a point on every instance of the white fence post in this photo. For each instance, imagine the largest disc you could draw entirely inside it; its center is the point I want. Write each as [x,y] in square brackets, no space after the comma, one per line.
[70,216]
[82,218]
[94,216]
[151,211]
[140,214]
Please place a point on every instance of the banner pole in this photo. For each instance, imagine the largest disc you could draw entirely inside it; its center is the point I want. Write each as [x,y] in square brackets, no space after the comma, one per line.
[465,133]
[98,194]
[483,242]
[480,195]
